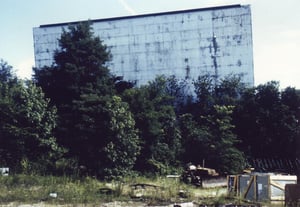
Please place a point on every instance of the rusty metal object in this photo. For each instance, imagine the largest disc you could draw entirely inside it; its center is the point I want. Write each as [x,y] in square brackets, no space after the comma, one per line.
[195,175]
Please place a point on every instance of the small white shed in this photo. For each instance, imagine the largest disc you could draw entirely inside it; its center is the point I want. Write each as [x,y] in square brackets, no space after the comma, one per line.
[260,186]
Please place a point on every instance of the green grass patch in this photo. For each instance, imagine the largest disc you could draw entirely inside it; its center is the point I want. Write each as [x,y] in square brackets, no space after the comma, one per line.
[30,189]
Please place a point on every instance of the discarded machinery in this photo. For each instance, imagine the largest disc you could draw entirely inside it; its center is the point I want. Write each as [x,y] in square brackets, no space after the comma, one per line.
[195,175]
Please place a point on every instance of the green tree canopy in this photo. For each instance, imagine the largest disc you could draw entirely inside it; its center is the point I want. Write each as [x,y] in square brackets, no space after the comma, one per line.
[266,121]
[83,89]
[6,72]
[26,126]
[156,121]
[212,141]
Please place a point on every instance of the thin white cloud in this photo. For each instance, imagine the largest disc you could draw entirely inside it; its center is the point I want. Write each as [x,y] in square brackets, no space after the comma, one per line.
[127,7]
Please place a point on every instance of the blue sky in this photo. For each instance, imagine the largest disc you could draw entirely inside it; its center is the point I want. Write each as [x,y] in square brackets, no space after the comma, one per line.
[276,29]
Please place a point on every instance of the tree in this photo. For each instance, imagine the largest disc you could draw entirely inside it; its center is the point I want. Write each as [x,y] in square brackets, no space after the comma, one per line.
[212,141]
[6,72]
[196,139]
[229,90]
[226,92]
[123,144]
[266,121]
[245,121]
[83,89]
[207,129]
[179,91]
[205,91]
[157,124]
[26,126]
[224,154]
[79,66]
[291,98]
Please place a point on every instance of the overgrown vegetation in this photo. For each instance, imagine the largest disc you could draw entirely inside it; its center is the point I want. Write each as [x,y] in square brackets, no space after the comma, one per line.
[88,191]
[75,118]
[66,190]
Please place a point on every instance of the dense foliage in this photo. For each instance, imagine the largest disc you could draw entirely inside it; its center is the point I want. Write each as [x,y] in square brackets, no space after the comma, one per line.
[267,121]
[26,125]
[78,118]
[93,121]
[158,128]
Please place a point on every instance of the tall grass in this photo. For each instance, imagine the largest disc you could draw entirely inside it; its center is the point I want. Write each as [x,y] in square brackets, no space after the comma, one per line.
[66,190]
[32,189]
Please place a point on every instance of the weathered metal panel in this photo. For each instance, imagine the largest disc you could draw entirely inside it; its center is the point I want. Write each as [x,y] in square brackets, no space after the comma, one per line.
[187,44]
[262,188]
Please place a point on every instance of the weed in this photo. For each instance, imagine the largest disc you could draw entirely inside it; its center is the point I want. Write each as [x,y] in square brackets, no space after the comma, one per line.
[67,190]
